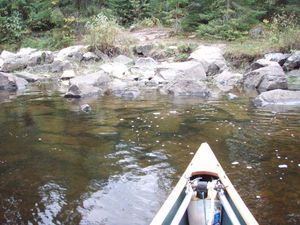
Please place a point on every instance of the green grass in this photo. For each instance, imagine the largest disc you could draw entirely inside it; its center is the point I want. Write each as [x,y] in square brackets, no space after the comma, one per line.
[246,50]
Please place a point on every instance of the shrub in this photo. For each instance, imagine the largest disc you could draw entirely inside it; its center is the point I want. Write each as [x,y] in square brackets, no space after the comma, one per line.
[12,28]
[106,35]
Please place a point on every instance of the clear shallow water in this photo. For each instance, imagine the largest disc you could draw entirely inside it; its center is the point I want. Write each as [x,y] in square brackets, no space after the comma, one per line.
[117,164]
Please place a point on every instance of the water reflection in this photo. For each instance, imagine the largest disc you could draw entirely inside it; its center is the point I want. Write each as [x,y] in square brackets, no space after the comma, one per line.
[61,166]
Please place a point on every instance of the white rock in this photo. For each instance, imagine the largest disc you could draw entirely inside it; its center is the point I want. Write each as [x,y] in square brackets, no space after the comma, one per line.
[283,166]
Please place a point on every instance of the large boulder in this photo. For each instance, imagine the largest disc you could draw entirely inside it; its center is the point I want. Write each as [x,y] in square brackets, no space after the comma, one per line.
[97,79]
[117,70]
[211,58]
[278,97]
[40,57]
[189,70]
[227,80]
[123,89]
[60,65]
[293,62]
[90,56]
[6,54]
[72,53]
[10,82]
[266,78]
[143,50]
[26,57]
[262,63]
[187,88]
[12,64]
[277,57]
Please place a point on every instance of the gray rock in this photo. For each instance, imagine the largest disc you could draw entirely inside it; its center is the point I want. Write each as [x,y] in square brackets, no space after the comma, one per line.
[40,57]
[266,78]
[68,74]
[45,68]
[10,82]
[228,80]
[60,65]
[293,62]
[97,79]
[102,56]
[188,88]
[124,89]
[82,90]
[262,63]
[278,97]
[12,64]
[6,54]
[123,60]
[117,70]
[211,58]
[212,70]
[73,52]
[189,70]
[144,50]
[90,56]
[277,57]
[29,77]
[86,108]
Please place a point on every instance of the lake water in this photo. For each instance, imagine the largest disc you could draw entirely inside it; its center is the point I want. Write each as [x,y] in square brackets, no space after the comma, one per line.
[117,164]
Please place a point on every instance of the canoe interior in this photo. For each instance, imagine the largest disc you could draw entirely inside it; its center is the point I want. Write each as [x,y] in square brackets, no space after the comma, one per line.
[184,221]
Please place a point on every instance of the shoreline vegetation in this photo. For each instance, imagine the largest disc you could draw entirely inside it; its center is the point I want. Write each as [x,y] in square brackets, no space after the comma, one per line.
[249,28]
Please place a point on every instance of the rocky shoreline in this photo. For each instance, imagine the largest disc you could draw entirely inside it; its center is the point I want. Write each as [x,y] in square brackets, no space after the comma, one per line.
[80,72]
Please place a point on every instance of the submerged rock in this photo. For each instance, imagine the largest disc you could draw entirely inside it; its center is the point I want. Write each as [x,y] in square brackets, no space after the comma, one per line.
[278,97]
[86,108]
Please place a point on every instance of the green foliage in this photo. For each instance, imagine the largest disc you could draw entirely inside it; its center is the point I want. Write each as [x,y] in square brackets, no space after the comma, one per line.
[12,28]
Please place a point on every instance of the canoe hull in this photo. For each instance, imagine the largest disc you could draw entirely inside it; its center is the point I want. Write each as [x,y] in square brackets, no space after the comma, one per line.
[204,163]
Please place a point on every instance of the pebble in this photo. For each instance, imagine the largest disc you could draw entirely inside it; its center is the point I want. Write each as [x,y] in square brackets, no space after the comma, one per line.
[156,113]
[249,167]
[235,163]
[173,112]
[258,197]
